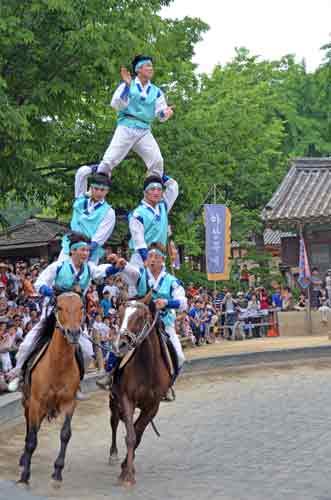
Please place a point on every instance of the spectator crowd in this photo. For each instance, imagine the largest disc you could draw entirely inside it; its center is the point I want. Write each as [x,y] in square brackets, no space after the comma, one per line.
[21,307]
[210,315]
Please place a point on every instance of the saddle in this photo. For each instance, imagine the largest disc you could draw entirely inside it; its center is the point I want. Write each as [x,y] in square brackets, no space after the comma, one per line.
[168,352]
[41,348]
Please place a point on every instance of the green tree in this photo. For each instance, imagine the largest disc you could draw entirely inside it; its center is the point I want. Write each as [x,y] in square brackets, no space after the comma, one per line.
[59,63]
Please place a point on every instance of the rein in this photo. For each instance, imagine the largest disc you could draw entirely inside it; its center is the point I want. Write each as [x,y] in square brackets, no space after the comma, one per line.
[136,339]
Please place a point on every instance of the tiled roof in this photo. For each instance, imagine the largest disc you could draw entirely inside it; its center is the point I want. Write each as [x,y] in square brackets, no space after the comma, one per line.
[273,237]
[33,232]
[304,194]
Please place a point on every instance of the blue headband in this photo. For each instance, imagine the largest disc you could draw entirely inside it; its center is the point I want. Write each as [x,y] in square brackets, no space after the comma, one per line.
[79,244]
[100,186]
[141,63]
[152,185]
[156,250]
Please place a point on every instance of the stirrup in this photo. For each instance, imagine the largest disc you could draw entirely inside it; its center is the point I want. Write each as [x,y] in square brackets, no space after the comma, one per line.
[106,382]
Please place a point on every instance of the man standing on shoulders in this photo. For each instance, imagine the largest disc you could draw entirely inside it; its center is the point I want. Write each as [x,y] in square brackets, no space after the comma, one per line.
[148,223]
[92,215]
[138,102]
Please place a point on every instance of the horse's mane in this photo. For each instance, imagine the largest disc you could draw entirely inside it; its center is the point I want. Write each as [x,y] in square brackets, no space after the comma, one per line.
[49,326]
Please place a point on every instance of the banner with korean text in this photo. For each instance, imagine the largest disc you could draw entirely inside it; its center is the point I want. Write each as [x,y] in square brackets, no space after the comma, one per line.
[218,242]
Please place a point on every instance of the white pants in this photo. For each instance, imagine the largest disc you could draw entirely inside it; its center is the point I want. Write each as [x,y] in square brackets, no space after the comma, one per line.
[138,263]
[176,343]
[30,340]
[6,361]
[141,141]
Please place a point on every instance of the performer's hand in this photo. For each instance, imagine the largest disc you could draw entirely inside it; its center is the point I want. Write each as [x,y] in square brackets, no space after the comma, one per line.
[112,258]
[169,111]
[125,75]
[160,303]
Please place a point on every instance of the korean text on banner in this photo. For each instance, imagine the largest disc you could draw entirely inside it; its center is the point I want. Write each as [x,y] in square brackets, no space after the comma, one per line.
[218,242]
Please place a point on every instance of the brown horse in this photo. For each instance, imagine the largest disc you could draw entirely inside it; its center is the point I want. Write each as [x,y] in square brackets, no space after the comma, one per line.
[54,382]
[142,383]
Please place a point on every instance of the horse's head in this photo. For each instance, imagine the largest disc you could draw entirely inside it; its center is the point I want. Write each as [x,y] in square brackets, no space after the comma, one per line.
[69,313]
[135,324]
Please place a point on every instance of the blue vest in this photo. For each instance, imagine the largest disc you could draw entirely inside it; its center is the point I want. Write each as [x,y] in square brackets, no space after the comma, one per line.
[84,222]
[162,291]
[66,277]
[140,107]
[156,226]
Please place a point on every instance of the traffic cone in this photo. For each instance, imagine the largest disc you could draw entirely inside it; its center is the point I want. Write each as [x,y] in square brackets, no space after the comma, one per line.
[272,332]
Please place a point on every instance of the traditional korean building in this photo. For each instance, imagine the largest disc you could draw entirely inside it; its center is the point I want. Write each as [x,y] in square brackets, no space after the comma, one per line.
[303,201]
[40,238]
[35,238]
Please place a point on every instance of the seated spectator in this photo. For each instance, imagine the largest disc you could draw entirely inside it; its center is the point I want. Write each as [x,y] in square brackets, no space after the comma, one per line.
[287,299]
[217,300]
[323,296]
[325,310]
[28,289]
[276,299]
[249,293]
[106,302]
[196,313]
[254,303]
[242,301]
[229,309]
[104,331]
[191,291]
[111,287]
[7,344]
[263,298]
[301,305]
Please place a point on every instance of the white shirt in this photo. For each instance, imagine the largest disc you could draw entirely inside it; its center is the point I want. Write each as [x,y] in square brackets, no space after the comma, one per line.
[136,227]
[120,101]
[178,293]
[107,225]
[48,275]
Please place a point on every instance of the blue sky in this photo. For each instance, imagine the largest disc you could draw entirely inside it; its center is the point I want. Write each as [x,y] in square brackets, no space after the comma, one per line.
[270,28]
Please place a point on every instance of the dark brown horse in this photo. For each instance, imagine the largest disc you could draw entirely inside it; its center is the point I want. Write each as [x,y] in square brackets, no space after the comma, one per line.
[142,383]
[54,382]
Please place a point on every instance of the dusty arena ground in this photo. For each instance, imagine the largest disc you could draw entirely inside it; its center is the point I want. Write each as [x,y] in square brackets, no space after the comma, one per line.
[250,435]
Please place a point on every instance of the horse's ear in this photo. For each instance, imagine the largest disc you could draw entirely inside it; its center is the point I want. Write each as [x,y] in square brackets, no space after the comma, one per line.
[147,299]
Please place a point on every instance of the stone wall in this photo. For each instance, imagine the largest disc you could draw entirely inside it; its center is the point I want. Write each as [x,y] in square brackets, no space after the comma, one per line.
[294,323]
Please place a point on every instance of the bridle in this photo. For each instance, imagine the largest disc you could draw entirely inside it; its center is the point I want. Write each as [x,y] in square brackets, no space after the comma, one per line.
[70,336]
[134,339]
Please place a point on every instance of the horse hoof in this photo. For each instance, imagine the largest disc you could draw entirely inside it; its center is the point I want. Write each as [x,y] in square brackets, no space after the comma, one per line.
[125,483]
[23,484]
[56,484]
[113,460]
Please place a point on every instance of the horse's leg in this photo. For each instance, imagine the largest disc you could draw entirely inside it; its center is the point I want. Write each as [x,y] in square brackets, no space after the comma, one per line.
[26,415]
[114,420]
[127,475]
[65,438]
[34,421]
[145,418]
